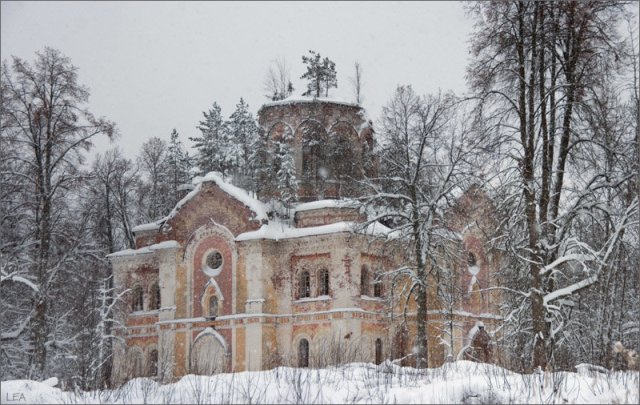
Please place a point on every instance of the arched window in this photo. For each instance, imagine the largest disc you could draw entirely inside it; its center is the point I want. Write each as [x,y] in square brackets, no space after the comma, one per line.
[154,296]
[135,362]
[364,280]
[305,285]
[378,351]
[471,260]
[323,282]
[315,166]
[138,299]
[153,362]
[399,345]
[213,306]
[303,353]
[377,288]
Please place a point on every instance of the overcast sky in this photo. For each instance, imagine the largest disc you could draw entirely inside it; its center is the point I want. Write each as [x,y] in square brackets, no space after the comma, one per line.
[154,66]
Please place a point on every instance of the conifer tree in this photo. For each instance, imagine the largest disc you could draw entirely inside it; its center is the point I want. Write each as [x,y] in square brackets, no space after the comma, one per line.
[242,134]
[178,165]
[321,74]
[210,146]
[287,182]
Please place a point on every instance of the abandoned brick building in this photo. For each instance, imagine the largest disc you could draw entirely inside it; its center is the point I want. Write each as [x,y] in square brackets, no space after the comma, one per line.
[221,284]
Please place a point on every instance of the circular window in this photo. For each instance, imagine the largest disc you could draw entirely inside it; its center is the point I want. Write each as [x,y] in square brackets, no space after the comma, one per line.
[214,260]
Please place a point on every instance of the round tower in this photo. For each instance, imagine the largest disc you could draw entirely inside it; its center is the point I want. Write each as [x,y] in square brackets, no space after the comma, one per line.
[331,143]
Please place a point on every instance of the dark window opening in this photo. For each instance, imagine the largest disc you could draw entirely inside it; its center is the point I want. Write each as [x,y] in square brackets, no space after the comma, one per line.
[154,300]
[377,288]
[471,260]
[378,351]
[138,299]
[214,260]
[305,285]
[153,362]
[323,282]
[364,281]
[213,307]
[303,353]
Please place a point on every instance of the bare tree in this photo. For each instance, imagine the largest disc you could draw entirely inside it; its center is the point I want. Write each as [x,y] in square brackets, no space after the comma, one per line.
[426,160]
[277,83]
[45,121]
[357,83]
[154,162]
[534,65]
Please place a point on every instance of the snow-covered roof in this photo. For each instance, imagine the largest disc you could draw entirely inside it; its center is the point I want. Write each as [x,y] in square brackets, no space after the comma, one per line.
[277,230]
[305,99]
[151,226]
[183,187]
[168,244]
[320,204]
[236,192]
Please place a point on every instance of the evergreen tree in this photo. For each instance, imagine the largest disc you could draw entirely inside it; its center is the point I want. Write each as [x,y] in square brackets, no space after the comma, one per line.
[211,154]
[285,170]
[242,134]
[259,166]
[178,165]
[321,74]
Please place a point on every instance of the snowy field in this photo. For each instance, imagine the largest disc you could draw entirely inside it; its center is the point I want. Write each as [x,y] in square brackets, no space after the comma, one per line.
[459,382]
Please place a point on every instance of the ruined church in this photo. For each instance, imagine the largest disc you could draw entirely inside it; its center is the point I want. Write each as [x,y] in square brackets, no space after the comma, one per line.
[224,284]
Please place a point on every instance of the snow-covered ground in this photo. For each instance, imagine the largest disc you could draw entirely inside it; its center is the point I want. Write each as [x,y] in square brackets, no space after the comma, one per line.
[459,382]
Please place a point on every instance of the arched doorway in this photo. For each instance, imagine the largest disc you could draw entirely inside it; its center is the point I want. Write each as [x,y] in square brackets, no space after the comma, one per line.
[208,355]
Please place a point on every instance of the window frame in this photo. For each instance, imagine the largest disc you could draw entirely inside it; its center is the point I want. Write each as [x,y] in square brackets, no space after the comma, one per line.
[153,362]
[154,296]
[304,284]
[137,302]
[323,282]
[303,353]
[364,280]
[378,351]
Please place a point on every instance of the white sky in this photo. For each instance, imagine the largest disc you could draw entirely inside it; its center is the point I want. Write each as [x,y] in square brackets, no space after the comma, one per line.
[153,66]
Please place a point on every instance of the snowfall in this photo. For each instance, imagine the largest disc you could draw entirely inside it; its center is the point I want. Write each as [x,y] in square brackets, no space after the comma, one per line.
[457,382]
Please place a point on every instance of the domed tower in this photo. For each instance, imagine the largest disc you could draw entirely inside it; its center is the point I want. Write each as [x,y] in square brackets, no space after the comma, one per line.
[331,143]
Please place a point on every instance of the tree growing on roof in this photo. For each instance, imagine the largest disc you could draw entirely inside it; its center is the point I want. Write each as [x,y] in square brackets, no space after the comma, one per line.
[242,135]
[321,74]
[178,166]
[277,82]
[211,153]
